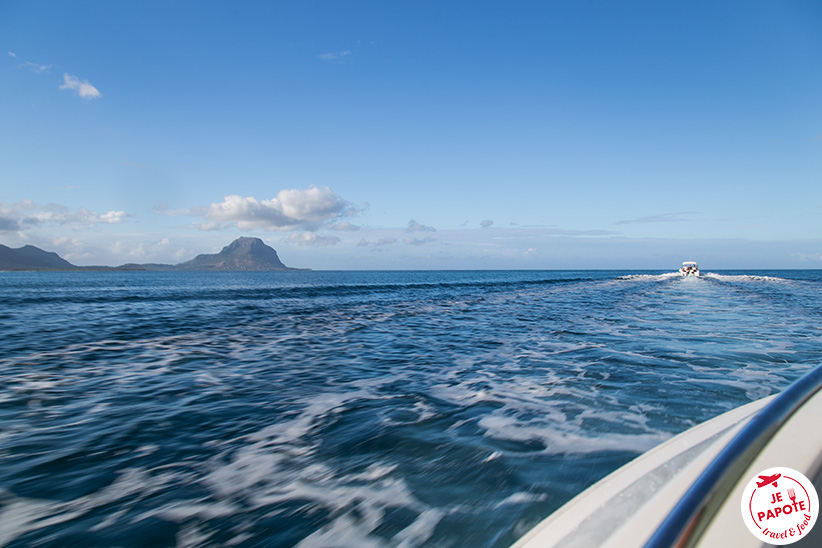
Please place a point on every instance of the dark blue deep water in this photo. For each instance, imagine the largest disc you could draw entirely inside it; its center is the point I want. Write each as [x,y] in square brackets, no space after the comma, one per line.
[362,409]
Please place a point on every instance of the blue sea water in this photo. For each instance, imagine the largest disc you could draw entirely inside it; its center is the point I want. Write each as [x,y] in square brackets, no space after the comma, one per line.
[362,409]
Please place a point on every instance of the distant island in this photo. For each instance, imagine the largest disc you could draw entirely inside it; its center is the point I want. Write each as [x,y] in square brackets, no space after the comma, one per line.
[243,254]
[31,258]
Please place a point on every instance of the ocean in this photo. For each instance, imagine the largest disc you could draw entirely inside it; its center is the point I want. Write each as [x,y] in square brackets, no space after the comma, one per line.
[362,409]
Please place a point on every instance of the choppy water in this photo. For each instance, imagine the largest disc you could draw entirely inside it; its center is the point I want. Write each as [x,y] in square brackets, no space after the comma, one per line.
[318,409]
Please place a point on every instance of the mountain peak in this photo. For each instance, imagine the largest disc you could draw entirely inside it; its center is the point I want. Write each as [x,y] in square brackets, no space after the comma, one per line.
[244,242]
[30,257]
[242,254]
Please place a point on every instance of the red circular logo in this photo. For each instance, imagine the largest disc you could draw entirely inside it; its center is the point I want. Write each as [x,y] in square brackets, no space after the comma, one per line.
[780,505]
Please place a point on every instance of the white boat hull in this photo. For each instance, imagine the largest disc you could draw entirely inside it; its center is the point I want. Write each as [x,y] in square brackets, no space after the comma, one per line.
[689,268]
[630,507]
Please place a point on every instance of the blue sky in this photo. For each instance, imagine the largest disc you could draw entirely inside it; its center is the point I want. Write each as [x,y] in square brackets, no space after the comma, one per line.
[394,135]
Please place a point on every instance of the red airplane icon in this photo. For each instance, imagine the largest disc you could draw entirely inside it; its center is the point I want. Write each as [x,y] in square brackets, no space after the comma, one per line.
[766,480]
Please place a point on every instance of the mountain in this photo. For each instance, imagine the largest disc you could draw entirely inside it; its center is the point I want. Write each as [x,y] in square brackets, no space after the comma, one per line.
[241,254]
[31,258]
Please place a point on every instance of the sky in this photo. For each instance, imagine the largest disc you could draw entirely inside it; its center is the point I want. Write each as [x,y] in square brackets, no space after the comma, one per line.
[415,134]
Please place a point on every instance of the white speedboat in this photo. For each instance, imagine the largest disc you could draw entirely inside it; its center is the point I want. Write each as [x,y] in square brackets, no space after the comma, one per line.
[688,491]
[689,268]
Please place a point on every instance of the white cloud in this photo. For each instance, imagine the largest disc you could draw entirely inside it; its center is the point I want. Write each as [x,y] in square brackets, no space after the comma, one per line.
[11,215]
[335,56]
[414,226]
[55,213]
[207,227]
[411,240]
[291,209]
[81,88]
[36,68]
[33,67]
[113,217]
[386,241]
[162,250]
[26,213]
[311,238]
[343,227]
[487,223]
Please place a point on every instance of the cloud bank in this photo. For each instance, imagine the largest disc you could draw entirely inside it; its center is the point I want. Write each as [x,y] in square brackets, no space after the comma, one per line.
[27,214]
[681,216]
[410,240]
[414,226]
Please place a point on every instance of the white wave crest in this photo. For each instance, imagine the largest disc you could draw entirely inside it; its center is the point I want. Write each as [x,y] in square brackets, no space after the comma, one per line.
[743,278]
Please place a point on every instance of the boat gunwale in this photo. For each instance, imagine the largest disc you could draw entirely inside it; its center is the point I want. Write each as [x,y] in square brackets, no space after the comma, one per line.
[692,514]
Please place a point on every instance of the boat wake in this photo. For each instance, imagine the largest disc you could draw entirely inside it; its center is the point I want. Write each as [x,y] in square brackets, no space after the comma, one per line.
[362,408]
[651,277]
[742,278]
[704,275]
